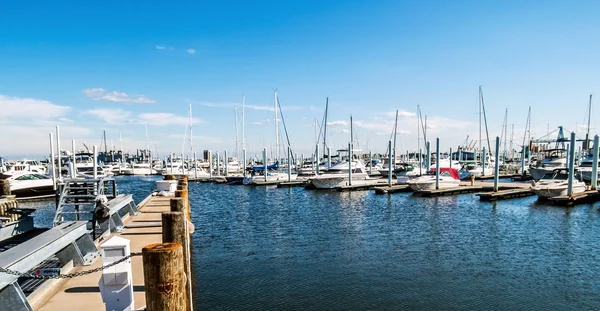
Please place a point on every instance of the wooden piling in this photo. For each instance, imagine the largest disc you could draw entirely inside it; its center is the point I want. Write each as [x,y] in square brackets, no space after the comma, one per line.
[4,187]
[175,230]
[169,177]
[164,277]
[183,194]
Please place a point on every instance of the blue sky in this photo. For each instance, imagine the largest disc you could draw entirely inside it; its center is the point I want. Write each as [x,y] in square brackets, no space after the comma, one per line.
[94,67]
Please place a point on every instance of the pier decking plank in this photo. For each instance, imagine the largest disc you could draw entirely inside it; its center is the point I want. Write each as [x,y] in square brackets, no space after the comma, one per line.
[82,293]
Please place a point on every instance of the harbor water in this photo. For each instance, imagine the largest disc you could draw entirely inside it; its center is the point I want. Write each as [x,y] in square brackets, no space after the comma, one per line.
[264,248]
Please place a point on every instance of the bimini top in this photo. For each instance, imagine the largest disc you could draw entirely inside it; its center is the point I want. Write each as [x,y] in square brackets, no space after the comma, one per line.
[259,168]
[452,172]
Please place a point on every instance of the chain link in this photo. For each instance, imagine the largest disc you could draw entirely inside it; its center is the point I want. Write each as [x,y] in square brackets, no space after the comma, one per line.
[32,275]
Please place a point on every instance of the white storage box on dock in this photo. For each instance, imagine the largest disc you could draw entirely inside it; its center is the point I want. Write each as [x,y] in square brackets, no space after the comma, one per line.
[166,185]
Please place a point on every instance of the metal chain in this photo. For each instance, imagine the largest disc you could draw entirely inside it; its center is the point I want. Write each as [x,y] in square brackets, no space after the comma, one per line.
[31,275]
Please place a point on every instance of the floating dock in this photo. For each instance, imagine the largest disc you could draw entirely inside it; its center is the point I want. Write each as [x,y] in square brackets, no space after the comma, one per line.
[392,189]
[589,196]
[505,194]
[357,187]
[466,187]
[291,184]
[488,177]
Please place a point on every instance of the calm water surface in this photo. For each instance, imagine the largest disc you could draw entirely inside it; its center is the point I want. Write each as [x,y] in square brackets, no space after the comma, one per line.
[273,249]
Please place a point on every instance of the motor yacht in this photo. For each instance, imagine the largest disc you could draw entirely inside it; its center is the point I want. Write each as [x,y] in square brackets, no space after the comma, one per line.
[448,179]
[556,183]
[28,185]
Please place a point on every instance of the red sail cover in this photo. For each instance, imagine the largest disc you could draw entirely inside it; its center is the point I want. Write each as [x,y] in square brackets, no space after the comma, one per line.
[452,171]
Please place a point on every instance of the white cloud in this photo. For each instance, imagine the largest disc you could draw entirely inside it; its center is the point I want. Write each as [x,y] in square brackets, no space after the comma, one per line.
[110,116]
[116,96]
[401,114]
[338,122]
[161,47]
[191,51]
[164,119]
[28,108]
[251,107]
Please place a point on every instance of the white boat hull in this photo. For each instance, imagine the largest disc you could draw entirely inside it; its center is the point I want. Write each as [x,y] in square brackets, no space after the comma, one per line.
[554,191]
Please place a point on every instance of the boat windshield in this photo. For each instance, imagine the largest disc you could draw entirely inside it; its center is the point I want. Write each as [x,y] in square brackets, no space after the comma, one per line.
[556,176]
[31,177]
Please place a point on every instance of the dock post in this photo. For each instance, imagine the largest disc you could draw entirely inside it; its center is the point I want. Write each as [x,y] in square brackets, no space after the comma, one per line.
[164,277]
[301,160]
[182,164]
[393,159]
[175,230]
[483,158]
[289,171]
[437,163]
[497,164]
[420,162]
[4,188]
[594,177]
[195,167]
[226,161]
[218,164]
[523,162]
[95,150]
[571,164]
[210,164]
[317,159]
[350,164]
[74,165]
[428,157]
[265,162]
[244,161]
[58,152]
[450,158]
[390,164]
[370,162]
[328,157]
[52,164]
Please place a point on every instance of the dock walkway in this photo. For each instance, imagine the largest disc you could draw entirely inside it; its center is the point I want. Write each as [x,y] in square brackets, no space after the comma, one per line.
[83,293]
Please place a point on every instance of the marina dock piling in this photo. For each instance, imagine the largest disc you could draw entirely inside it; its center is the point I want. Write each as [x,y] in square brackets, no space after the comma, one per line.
[497,164]
[350,164]
[164,277]
[73,161]
[52,163]
[390,163]
[329,157]
[218,164]
[317,159]
[450,164]
[428,159]
[95,151]
[244,162]
[594,177]
[265,161]
[289,163]
[523,162]
[4,187]
[210,164]
[483,158]
[58,154]
[175,230]
[420,162]
[437,163]
[571,164]
[225,165]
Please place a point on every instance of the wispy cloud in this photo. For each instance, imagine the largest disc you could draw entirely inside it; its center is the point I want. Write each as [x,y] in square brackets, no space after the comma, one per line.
[338,122]
[161,47]
[110,116]
[191,51]
[26,108]
[120,116]
[116,96]
[251,107]
[261,122]
[401,114]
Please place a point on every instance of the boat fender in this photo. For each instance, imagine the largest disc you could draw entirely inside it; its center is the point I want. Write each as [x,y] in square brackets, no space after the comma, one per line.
[101,211]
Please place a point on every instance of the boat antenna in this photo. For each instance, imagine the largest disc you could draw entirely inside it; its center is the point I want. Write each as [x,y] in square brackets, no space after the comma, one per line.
[236,134]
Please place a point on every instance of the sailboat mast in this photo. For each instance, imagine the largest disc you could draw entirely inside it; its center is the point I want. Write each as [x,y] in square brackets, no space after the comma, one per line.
[276,126]
[121,141]
[487,134]
[418,128]
[351,134]
[325,126]
[106,147]
[395,136]
[505,129]
[587,134]
[480,116]
[243,125]
[191,127]
[236,133]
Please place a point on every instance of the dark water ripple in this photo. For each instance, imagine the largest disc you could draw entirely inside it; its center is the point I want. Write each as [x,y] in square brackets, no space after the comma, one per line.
[273,249]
